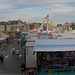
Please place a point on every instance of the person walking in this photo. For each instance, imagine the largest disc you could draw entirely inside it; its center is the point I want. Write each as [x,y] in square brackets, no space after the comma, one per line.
[2,59]
[13,54]
[11,50]
[23,68]
[18,53]
[18,41]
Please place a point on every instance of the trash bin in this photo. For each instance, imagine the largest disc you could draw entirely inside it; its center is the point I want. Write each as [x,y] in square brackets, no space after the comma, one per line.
[31,72]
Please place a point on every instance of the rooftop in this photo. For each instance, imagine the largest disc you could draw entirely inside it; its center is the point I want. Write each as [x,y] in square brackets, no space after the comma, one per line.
[54,45]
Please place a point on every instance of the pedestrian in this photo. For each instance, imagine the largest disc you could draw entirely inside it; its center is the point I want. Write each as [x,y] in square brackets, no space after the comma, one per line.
[13,54]
[2,59]
[23,68]
[18,41]
[18,53]
[11,50]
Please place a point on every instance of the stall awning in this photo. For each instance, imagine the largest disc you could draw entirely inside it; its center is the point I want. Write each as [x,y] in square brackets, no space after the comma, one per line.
[2,38]
[50,45]
[5,35]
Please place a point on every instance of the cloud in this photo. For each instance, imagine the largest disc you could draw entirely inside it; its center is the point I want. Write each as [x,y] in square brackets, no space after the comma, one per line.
[64,10]
[35,10]
[16,4]
[58,5]
[25,16]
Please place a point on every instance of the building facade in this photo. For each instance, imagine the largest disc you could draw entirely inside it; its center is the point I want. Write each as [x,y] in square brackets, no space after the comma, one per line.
[4,26]
[15,24]
[73,25]
[35,25]
[67,26]
[10,25]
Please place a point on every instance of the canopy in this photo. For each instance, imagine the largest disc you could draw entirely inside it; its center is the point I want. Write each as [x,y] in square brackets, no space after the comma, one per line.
[4,35]
[1,38]
[51,45]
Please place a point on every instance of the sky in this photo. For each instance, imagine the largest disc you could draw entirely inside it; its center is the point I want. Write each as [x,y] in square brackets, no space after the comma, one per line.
[60,11]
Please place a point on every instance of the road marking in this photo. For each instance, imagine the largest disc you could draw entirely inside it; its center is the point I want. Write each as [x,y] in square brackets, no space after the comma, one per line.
[7,56]
[3,52]
[10,45]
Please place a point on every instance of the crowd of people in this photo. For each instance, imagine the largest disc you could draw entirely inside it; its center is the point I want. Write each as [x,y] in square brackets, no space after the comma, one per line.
[16,53]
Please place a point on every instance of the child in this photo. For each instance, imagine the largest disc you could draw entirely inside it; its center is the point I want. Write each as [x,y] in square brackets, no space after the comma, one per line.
[18,53]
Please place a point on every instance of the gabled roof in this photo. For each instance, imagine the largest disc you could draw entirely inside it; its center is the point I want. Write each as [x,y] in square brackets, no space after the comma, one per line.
[3,23]
[14,22]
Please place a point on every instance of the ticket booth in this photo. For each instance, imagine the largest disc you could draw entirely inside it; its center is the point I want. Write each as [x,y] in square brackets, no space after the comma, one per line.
[55,56]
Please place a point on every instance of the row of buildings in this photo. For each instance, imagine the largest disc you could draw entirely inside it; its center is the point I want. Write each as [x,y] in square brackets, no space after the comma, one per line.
[66,26]
[18,25]
[12,26]
[62,27]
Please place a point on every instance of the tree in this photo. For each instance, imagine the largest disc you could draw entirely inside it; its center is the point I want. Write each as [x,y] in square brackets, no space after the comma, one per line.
[73,26]
[23,41]
[44,28]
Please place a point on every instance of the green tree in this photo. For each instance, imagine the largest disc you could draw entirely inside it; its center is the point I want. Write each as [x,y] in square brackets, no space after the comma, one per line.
[44,28]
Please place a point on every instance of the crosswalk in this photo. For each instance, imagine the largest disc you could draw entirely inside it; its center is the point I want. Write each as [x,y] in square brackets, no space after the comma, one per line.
[3,52]
[10,45]
[6,56]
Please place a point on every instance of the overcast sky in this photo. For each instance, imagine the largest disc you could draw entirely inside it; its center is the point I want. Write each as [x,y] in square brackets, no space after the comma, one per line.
[60,11]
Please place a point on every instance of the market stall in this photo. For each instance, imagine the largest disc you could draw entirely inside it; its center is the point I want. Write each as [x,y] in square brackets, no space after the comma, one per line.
[55,56]
[5,36]
[2,42]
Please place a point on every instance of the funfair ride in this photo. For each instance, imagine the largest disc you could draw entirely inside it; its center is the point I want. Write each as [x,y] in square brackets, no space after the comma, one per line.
[51,28]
